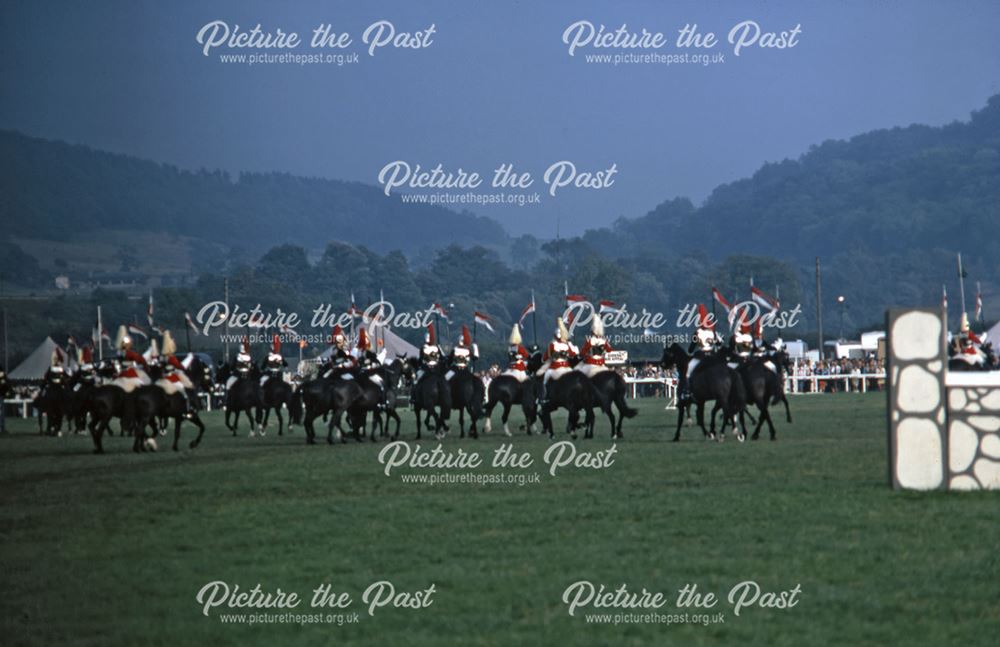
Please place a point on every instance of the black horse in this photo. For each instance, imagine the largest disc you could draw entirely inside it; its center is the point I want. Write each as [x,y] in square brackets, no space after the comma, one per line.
[110,401]
[242,394]
[575,392]
[391,375]
[153,403]
[329,394]
[763,378]
[611,389]
[275,393]
[430,393]
[712,379]
[467,396]
[50,403]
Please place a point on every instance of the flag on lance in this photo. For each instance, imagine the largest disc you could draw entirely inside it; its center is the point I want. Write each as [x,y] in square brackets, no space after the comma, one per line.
[439,310]
[190,323]
[606,307]
[484,320]
[353,310]
[763,300]
[721,300]
[528,309]
[575,298]
[136,329]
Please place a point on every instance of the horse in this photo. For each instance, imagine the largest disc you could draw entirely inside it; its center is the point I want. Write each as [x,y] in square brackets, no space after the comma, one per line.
[611,388]
[110,401]
[391,374]
[712,379]
[763,379]
[429,393]
[330,394]
[242,394]
[467,395]
[575,392]
[153,403]
[51,403]
[79,399]
[274,393]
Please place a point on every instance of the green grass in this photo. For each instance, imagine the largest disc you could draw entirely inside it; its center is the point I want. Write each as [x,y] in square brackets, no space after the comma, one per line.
[112,549]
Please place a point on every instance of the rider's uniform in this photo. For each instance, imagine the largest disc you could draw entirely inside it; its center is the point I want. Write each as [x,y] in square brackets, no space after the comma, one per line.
[594,350]
[464,353]
[517,356]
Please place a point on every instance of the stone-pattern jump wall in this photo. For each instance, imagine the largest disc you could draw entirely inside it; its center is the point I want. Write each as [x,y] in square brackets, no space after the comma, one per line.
[938,442]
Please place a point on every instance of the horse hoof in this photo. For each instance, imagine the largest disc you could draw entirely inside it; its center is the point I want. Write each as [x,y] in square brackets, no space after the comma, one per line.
[192,445]
[98,450]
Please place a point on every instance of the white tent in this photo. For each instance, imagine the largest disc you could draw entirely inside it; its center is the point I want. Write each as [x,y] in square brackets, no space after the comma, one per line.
[37,363]
[395,346]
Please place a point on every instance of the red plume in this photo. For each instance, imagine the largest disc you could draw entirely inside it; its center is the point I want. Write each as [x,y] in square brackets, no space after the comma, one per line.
[431,335]
[276,345]
[466,337]
[88,355]
[246,345]
[337,331]
[703,317]
[363,343]
[132,356]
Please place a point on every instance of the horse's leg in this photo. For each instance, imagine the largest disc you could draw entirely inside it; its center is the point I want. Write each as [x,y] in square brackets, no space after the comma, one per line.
[504,417]
[177,431]
[788,413]
[461,422]
[572,420]
[417,411]
[699,414]
[760,421]
[770,423]
[307,424]
[398,420]
[201,430]
[96,430]
[281,421]
[680,421]
[487,413]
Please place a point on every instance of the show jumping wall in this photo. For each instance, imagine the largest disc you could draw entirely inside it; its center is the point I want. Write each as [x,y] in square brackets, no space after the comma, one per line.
[944,427]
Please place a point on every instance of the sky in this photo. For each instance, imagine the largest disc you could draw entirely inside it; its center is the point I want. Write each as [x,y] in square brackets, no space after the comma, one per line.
[494,85]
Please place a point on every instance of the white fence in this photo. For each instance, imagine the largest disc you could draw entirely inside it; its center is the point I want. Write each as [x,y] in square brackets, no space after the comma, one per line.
[666,387]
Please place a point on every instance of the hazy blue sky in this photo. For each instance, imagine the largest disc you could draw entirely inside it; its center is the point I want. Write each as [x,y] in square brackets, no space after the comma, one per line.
[497,85]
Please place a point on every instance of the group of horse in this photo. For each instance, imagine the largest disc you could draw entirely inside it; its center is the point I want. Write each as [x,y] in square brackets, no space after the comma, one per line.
[363,399]
[436,392]
[733,383]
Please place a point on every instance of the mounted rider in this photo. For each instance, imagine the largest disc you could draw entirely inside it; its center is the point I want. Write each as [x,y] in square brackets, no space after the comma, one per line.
[517,356]
[132,373]
[464,353]
[370,363]
[341,360]
[706,341]
[743,343]
[243,364]
[274,363]
[175,378]
[594,350]
[556,361]
[56,373]
[430,352]
[86,371]
[967,345]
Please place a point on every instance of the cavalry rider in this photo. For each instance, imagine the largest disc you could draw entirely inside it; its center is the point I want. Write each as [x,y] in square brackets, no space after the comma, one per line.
[705,342]
[341,359]
[369,363]
[743,340]
[556,358]
[275,363]
[56,373]
[243,364]
[594,350]
[517,355]
[175,378]
[430,352]
[85,365]
[463,354]
[966,345]
[133,365]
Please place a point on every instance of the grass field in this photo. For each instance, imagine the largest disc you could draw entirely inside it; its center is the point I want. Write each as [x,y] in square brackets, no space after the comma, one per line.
[113,549]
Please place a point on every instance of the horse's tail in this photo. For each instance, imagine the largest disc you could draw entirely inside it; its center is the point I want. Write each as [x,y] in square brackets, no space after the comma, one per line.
[620,400]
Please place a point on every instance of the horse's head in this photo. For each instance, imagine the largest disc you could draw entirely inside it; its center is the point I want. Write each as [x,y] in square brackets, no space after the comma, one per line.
[782,361]
[199,373]
[534,361]
[674,357]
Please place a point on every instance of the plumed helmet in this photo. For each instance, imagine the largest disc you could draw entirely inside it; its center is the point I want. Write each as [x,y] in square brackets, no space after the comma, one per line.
[169,345]
[515,335]
[276,345]
[597,326]
[466,337]
[561,331]
[122,340]
[431,336]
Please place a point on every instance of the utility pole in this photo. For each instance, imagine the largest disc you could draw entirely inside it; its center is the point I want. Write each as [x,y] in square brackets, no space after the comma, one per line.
[819,309]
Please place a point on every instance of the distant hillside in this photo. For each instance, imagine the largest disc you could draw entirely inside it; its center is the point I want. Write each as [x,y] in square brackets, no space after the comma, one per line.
[56,191]
[883,192]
